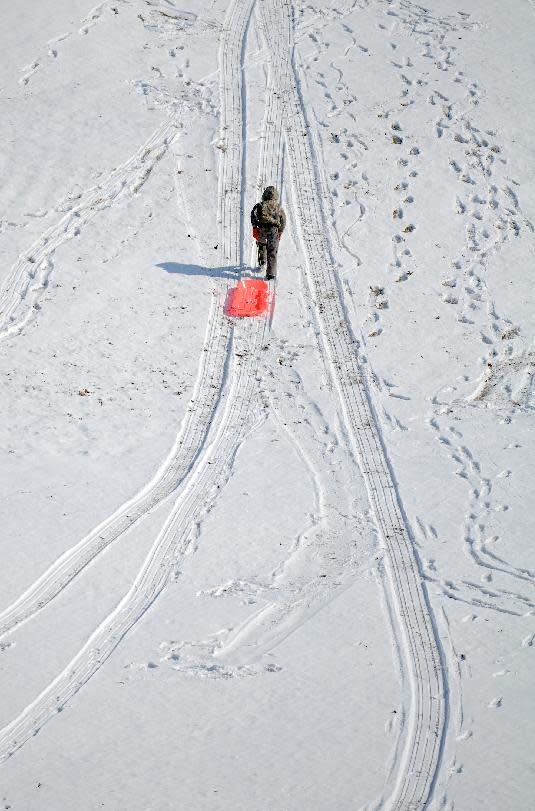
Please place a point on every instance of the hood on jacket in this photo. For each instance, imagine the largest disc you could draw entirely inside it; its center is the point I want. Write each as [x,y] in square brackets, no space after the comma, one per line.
[270,193]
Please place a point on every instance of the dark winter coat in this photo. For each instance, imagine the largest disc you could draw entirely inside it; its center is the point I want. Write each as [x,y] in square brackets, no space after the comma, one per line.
[269,212]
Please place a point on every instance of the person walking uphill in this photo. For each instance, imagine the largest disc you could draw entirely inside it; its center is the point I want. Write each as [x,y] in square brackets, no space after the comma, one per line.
[269,221]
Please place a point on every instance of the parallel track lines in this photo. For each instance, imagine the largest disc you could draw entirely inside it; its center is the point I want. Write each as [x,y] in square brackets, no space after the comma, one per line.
[188,445]
[168,549]
[429,708]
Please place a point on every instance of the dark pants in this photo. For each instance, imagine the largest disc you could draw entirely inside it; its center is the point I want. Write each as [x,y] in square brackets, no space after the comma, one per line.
[268,245]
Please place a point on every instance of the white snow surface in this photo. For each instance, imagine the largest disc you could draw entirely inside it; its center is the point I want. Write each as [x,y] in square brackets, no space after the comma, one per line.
[279,563]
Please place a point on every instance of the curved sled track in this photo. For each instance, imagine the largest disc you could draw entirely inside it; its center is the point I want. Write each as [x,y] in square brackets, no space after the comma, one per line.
[209,391]
[212,460]
[428,710]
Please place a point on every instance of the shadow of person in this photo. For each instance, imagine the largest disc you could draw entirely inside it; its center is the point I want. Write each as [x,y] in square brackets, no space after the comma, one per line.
[198,270]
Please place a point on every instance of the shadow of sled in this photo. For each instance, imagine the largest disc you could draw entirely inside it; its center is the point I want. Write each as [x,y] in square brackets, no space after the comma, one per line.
[249,298]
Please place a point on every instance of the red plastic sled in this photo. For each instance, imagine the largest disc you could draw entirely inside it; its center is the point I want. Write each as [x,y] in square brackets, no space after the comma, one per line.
[249,298]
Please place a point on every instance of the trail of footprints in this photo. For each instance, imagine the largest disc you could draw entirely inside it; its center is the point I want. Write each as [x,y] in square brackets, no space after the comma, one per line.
[347,185]
[486,200]
[52,50]
[159,18]
[490,208]
[480,545]
[401,264]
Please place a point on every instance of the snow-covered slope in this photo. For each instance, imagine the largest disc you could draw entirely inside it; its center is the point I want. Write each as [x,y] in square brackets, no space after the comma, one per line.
[280,562]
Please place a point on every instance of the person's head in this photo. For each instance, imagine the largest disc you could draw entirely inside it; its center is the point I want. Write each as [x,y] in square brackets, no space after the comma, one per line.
[270,193]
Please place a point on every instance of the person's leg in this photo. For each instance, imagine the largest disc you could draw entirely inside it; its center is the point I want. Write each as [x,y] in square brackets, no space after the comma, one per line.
[262,246]
[262,253]
[272,248]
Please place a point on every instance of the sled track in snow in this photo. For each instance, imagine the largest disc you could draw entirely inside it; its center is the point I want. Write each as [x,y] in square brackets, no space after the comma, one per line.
[200,418]
[207,461]
[428,710]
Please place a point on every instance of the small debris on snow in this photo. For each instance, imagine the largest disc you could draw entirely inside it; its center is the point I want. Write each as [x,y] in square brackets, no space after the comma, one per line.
[512,332]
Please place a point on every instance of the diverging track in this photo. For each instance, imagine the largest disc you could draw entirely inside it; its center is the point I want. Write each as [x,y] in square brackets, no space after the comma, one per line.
[219,418]
[428,710]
